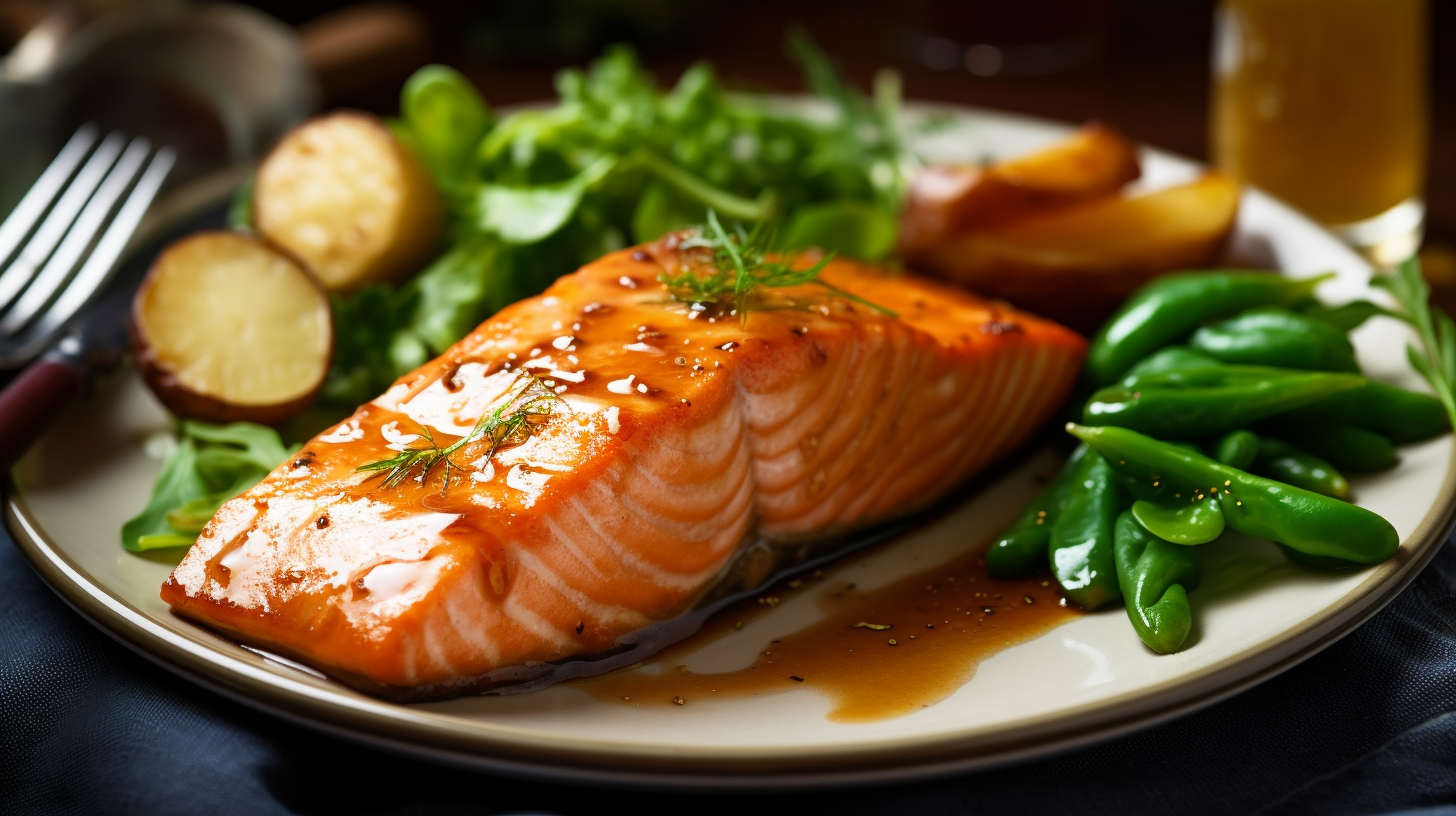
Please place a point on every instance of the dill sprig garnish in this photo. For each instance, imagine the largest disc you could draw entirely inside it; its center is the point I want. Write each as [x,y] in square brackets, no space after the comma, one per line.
[528,403]
[1434,327]
[740,265]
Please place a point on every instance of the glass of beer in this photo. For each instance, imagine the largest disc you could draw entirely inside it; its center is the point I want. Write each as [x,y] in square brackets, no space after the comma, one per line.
[1324,104]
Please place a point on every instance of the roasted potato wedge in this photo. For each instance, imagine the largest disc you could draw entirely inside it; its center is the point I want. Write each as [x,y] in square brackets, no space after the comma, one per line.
[344,196]
[228,328]
[1077,264]
[946,200]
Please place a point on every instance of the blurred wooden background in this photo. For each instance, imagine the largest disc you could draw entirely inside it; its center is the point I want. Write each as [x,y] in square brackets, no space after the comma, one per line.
[1148,72]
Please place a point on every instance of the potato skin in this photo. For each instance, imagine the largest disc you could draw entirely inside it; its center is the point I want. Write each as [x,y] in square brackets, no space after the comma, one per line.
[365,240]
[1076,265]
[946,200]
[188,403]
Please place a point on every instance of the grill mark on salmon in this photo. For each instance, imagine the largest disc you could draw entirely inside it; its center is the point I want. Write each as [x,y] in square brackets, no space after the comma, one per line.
[684,442]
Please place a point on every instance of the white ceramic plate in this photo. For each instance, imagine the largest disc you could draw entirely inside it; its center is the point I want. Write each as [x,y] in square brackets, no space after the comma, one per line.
[1088,680]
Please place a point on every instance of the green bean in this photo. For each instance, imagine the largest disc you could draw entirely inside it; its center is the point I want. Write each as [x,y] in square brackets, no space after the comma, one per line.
[1288,464]
[1080,548]
[1169,308]
[1309,522]
[1277,337]
[1022,547]
[1203,402]
[1401,416]
[1198,520]
[1238,449]
[1348,447]
[1155,578]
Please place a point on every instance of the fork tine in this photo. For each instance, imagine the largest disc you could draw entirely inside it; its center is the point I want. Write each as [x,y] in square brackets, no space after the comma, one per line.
[102,262]
[18,224]
[38,248]
[87,226]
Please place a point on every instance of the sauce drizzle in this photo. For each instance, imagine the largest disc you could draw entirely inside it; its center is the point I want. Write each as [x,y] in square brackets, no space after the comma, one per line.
[877,654]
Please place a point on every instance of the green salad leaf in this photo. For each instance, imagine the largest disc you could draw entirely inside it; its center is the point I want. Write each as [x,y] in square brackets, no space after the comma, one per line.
[525,215]
[211,464]
[851,228]
[538,193]
[443,118]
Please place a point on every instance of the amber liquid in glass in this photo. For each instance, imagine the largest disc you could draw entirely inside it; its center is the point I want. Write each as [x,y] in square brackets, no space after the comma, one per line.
[1323,103]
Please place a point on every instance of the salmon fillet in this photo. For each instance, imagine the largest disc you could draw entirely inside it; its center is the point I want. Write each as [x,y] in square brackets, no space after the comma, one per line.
[685,450]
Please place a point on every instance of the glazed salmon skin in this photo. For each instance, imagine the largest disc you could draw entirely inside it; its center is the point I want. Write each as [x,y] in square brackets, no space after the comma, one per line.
[678,450]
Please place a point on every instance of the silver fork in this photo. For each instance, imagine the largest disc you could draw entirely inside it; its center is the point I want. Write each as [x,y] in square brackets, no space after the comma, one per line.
[61,243]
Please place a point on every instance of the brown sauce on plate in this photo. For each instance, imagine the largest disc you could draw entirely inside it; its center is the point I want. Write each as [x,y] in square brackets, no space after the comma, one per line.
[878,653]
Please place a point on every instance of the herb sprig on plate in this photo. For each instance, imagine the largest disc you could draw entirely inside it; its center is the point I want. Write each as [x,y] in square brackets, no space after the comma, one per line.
[1436,358]
[742,262]
[528,403]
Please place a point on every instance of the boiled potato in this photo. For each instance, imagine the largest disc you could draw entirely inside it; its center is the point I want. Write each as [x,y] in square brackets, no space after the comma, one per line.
[1079,263]
[945,200]
[344,196]
[228,328]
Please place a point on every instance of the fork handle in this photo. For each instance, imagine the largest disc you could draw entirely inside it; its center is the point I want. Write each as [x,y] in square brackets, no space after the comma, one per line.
[31,400]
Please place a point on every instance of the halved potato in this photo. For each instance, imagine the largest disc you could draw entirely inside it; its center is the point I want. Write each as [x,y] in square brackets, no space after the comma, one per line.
[945,200]
[344,196]
[227,328]
[1077,264]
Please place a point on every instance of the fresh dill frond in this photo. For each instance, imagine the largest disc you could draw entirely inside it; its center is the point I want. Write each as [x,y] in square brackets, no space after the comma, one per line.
[740,265]
[527,404]
[1436,358]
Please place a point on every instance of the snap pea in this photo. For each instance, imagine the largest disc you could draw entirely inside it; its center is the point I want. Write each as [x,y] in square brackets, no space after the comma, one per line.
[1218,373]
[1306,521]
[1155,578]
[1237,449]
[1169,308]
[1199,520]
[1204,402]
[1286,463]
[1324,562]
[1401,416]
[1348,447]
[1397,414]
[1172,358]
[1022,547]
[1080,548]
[1277,337]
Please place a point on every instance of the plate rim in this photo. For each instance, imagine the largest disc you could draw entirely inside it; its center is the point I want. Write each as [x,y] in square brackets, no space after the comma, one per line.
[503,748]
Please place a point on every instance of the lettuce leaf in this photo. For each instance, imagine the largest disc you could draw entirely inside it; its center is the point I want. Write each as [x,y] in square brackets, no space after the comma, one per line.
[210,464]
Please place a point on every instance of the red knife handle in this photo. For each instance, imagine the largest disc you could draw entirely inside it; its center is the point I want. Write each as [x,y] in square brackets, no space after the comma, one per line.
[29,403]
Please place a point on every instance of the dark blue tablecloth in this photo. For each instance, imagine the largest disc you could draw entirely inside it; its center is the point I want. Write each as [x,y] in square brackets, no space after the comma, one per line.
[86,727]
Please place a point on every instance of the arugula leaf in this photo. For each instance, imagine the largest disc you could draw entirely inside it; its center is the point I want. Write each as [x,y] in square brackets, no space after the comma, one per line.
[368,327]
[457,292]
[525,215]
[211,464]
[851,228]
[443,119]
[1435,360]
[178,484]
[661,210]
[540,192]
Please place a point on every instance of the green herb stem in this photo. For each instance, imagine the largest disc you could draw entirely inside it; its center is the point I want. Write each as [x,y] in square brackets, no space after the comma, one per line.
[715,198]
[740,266]
[1435,360]
[527,404]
